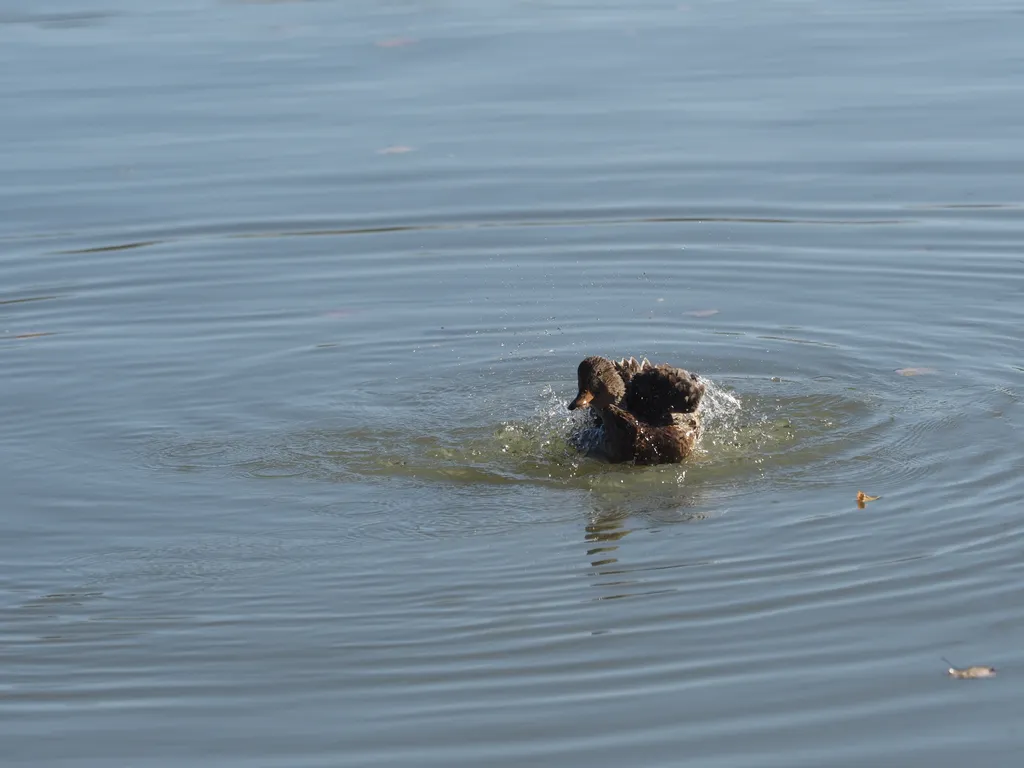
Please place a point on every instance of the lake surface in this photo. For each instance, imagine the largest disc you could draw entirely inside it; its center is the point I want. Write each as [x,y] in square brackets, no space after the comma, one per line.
[291,301]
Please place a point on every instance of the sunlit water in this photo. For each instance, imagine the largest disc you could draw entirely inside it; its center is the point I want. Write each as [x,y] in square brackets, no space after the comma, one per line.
[291,301]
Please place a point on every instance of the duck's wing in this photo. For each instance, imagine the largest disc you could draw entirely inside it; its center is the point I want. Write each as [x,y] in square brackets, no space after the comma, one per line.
[655,393]
[688,429]
[628,439]
[621,431]
[668,444]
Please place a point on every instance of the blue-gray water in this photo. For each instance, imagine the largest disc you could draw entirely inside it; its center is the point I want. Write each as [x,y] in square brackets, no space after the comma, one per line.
[291,300]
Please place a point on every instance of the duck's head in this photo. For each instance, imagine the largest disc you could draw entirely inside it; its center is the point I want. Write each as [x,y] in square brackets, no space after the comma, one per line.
[600,384]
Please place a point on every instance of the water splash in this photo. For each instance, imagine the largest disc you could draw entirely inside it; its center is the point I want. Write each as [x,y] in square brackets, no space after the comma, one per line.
[719,408]
[722,416]
[550,434]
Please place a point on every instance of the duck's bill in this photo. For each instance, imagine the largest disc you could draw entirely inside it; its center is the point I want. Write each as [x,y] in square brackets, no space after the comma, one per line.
[582,400]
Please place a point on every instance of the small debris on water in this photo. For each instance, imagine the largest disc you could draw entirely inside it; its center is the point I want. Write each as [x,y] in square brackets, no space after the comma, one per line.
[35,335]
[969,673]
[863,498]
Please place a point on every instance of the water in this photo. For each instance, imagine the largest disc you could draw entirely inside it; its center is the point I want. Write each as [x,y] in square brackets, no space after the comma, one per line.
[291,300]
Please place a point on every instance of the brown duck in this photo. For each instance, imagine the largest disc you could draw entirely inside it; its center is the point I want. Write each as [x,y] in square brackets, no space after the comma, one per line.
[648,411]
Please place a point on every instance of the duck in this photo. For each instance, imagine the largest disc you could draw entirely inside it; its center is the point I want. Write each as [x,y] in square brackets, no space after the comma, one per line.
[648,413]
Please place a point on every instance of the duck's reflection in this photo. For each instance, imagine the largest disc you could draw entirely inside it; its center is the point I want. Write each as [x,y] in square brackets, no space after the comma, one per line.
[605,531]
[614,516]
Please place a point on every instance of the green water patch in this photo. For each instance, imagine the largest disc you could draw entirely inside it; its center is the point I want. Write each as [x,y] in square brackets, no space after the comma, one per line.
[771,431]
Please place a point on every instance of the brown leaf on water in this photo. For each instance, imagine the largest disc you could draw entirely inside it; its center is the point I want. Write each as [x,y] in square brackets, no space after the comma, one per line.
[701,312]
[915,371]
[969,673]
[398,149]
[863,498]
[396,42]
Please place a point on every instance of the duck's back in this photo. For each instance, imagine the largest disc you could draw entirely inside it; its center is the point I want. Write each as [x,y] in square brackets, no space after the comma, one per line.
[653,394]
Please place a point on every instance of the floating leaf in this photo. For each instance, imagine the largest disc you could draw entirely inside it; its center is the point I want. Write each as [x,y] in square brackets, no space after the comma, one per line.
[398,149]
[701,312]
[863,498]
[969,673]
[915,371]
